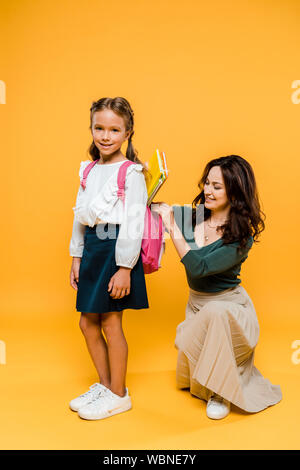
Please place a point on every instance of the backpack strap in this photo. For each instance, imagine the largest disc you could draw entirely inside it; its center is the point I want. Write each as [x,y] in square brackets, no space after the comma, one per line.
[86,172]
[121,179]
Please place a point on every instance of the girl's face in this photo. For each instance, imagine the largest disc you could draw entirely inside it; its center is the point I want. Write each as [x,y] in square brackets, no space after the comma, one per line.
[214,190]
[109,132]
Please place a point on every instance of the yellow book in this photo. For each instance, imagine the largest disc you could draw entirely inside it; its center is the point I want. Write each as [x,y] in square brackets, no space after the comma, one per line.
[157,175]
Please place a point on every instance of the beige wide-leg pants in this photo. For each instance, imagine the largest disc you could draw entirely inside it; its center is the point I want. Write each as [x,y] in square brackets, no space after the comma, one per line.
[216,344]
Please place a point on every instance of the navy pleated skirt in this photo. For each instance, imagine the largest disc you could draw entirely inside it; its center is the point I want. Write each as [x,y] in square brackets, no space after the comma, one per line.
[97,267]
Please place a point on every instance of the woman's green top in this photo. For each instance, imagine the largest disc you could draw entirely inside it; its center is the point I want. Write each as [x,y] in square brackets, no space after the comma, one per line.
[214,267]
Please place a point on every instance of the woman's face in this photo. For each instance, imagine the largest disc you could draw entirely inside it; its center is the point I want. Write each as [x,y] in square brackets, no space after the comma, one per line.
[109,132]
[214,190]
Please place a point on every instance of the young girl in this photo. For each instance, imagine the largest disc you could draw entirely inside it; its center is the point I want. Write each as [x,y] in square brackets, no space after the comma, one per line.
[216,341]
[107,269]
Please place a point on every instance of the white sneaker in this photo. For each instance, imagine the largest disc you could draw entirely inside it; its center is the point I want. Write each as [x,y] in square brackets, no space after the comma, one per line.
[94,391]
[108,404]
[217,407]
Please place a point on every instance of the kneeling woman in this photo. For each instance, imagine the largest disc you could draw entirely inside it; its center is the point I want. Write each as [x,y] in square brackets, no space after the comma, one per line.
[217,339]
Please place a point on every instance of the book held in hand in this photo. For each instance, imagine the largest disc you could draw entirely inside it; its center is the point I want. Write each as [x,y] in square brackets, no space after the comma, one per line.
[157,175]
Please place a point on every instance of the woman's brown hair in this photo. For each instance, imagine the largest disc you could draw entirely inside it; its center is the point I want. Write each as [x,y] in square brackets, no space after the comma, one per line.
[245,217]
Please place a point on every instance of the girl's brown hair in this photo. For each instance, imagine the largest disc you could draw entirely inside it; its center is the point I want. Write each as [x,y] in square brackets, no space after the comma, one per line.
[245,217]
[121,107]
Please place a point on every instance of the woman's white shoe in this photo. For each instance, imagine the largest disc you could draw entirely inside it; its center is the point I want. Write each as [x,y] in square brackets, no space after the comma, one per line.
[217,407]
[94,392]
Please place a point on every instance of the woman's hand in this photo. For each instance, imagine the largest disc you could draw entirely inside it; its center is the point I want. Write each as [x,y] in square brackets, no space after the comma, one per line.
[168,218]
[74,274]
[119,284]
[166,213]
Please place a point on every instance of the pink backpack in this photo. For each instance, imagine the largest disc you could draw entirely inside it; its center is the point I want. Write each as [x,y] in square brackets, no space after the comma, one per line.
[152,241]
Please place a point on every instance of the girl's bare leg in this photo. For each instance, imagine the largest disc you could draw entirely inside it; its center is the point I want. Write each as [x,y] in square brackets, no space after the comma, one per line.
[90,324]
[117,350]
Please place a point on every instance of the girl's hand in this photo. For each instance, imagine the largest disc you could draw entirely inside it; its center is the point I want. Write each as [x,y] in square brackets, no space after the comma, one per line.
[74,274]
[166,213]
[119,285]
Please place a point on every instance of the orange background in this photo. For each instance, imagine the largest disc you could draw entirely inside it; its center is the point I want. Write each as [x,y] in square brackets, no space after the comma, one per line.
[205,79]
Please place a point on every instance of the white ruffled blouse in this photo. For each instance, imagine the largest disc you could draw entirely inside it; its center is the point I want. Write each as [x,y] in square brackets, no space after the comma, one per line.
[99,203]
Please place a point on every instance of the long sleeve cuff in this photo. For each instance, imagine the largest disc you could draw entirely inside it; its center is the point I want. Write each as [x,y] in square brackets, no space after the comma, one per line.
[77,241]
